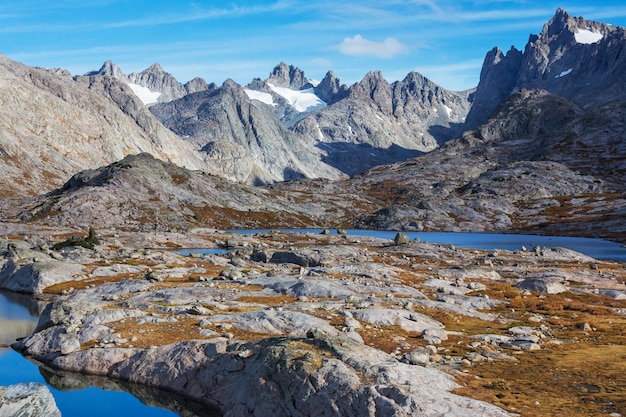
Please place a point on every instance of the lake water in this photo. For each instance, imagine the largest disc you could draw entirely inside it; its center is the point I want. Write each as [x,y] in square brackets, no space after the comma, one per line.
[596,248]
[79,395]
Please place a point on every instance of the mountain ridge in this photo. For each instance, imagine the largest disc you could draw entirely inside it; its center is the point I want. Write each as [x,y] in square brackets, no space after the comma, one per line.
[547,147]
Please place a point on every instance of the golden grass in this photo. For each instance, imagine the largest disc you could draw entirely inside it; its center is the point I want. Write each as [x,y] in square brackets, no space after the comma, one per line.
[573,380]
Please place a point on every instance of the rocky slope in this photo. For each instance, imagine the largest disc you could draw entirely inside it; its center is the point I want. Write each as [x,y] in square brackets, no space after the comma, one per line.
[378,123]
[572,57]
[52,126]
[542,161]
[143,193]
[243,137]
[542,164]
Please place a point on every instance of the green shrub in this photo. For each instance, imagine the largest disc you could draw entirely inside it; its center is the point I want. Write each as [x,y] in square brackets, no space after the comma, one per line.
[89,242]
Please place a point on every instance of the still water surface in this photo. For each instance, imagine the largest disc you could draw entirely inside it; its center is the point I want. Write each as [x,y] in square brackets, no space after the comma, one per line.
[596,248]
[78,395]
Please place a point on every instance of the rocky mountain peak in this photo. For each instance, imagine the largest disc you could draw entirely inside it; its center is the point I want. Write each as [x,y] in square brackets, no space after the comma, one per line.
[559,22]
[498,78]
[284,75]
[330,88]
[373,87]
[154,78]
[573,57]
[157,80]
[198,84]
[109,69]
[155,68]
[230,85]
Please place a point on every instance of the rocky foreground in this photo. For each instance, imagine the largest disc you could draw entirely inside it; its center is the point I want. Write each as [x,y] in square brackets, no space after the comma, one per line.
[290,324]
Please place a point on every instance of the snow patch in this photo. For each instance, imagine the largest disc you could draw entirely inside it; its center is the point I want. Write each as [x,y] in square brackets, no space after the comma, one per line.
[448,110]
[320,135]
[564,73]
[146,95]
[586,36]
[260,96]
[301,100]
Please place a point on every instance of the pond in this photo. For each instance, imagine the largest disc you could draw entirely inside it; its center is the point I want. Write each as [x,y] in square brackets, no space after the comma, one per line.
[596,248]
[79,395]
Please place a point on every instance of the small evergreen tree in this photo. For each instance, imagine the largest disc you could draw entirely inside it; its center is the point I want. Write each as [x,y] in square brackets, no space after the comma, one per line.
[89,242]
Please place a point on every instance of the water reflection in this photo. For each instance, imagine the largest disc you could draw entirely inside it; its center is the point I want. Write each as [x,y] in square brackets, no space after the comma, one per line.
[77,394]
[18,317]
[11,330]
[149,396]
[14,305]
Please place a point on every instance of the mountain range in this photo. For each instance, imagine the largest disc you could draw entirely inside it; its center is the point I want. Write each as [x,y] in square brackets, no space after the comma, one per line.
[539,145]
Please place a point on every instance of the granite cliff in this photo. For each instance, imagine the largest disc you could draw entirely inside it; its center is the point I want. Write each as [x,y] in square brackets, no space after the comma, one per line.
[576,58]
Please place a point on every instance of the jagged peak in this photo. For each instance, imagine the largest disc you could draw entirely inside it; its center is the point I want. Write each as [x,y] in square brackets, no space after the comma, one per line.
[330,88]
[374,75]
[108,68]
[231,85]
[560,21]
[156,67]
[284,75]
[415,77]
[373,80]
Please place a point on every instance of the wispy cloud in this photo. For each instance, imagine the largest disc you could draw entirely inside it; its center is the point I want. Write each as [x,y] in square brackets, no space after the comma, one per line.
[199,13]
[359,46]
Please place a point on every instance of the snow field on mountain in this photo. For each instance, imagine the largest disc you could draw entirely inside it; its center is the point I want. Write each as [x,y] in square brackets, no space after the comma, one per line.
[301,100]
[564,73]
[146,95]
[587,37]
[260,96]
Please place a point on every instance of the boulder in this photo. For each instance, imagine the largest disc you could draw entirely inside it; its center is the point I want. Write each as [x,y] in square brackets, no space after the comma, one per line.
[302,259]
[540,285]
[401,239]
[27,400]
[34,277]
[419,356]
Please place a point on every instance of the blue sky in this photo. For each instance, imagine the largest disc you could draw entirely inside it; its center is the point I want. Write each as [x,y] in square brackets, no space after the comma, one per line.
[445,41]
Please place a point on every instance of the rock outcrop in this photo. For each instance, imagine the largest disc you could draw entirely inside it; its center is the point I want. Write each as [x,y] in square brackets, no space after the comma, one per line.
[365,330]
[27,400]
[288,76]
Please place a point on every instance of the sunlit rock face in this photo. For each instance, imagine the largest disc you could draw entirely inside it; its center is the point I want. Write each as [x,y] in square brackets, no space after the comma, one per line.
[572,57]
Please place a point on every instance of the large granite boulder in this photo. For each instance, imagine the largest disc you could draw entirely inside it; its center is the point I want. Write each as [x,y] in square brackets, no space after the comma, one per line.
[27,400]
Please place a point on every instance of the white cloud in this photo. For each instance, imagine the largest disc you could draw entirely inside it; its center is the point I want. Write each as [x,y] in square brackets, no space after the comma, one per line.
[359,46]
